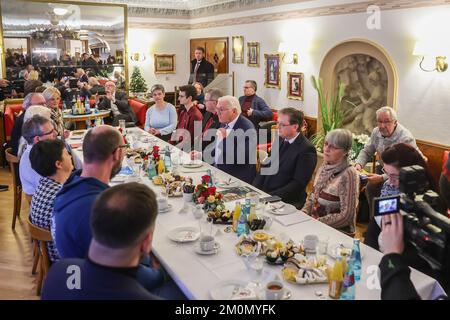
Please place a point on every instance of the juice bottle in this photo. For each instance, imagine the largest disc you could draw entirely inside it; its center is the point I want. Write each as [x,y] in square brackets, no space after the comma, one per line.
[335,280]
[236,215]
[252,214]
[161,167]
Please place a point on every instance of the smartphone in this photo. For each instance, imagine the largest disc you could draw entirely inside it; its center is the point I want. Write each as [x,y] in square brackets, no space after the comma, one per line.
[386,205]
[270,199]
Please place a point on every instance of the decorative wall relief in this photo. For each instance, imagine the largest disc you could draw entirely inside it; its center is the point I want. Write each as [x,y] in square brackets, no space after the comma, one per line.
[365,81]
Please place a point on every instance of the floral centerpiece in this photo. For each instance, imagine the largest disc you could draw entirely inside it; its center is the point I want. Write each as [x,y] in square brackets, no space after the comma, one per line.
[359,141]
[212,201]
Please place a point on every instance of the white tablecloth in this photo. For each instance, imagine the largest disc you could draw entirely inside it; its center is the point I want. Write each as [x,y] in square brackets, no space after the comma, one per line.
[197,274]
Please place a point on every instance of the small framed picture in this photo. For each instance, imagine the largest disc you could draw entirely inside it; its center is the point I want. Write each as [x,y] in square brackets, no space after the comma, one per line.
[164,63]
[238,49]
[295,85]
[253,54]
[273,71]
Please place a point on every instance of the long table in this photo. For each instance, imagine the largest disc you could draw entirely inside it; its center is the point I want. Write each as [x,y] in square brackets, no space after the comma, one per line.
[197,274]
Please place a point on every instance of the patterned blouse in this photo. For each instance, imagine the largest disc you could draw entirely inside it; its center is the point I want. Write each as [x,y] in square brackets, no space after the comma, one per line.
[42,209]
[57,117]
[337,202]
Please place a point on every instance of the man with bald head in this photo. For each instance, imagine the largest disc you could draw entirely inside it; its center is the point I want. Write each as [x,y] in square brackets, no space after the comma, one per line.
[103,152]
[117,101]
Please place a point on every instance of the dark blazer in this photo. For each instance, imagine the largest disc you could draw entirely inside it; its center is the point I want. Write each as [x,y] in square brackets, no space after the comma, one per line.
[122,105]
[215,124]
[205,72]
[245,171]
[296,166]
[261,111]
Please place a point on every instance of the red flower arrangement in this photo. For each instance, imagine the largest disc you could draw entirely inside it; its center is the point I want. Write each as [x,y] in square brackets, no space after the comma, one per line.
[208,196]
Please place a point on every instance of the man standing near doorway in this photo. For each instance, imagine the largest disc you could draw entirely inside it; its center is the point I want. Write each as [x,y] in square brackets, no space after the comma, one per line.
[201,70]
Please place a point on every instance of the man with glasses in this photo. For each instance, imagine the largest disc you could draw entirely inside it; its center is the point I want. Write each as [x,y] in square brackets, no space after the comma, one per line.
[117,101]
[103,153]
[297,160]
[387,133]
[254,107]
[235,145]
[210,118]
[35,129]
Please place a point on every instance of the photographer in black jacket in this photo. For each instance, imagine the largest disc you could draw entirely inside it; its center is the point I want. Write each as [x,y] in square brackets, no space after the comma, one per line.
[395,273]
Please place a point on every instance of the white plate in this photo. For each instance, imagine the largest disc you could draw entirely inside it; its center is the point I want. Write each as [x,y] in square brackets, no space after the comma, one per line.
[184,234]
[169,207]
[225,184]
[192,165]
[198,250]
[287,209]
[224,290]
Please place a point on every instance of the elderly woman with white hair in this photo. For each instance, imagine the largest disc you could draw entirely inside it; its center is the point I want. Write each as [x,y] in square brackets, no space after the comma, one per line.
[334,198]
[52,98]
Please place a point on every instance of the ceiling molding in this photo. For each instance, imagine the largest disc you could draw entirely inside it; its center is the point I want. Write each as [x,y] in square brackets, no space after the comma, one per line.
[348,8]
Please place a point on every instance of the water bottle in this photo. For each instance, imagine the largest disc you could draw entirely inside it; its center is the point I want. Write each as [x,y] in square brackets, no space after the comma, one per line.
[167,160]
[348,286]
[209,173]
[74,106]
[151,170]
[356,256]
[242,225]
[87,105]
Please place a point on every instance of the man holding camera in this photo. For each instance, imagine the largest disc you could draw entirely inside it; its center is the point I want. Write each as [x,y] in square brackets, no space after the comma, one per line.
[395,273]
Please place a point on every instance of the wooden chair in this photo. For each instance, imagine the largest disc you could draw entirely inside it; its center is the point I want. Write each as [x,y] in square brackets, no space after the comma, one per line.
[13,162]
[40,237]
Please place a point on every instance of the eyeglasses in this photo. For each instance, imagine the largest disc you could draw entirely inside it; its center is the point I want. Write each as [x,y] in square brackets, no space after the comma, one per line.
[223,110]
[390,175]
[47,133]
[210,100]
[283,124]
[332,147]
[385,122]
[120,147]
[248,87]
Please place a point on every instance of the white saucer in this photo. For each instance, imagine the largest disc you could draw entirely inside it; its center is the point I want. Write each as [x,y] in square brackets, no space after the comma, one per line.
[224,185]
[184,234]
[169,207]
[198,250]
[192,165]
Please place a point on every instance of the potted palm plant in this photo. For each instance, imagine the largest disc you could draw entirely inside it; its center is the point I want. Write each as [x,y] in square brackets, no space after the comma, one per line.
[331,114]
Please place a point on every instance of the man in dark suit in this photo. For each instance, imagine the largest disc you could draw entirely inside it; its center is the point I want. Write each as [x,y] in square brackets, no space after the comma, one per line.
[117,101]
[235,146]
[253,106]
[201,69]
[296,158]
[210,118]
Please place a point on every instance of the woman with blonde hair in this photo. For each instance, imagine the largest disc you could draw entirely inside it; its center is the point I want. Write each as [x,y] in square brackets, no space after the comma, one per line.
[32,83]
[52,98]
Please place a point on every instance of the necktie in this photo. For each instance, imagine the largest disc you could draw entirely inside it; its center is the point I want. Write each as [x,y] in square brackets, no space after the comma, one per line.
[284,146]
[195,70]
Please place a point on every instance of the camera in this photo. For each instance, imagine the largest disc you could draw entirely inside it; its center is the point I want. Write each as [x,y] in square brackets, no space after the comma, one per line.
[426,229]
[73,83]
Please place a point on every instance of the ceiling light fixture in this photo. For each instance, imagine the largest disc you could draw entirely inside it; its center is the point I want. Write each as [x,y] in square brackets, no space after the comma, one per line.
[60,11]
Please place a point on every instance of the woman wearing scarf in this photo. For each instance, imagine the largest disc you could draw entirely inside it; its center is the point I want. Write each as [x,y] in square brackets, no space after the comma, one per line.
[334,198]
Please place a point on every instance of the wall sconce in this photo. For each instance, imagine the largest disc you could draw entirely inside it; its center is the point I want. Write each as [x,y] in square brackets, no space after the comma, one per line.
[137,56]
[289,56]
[433,50]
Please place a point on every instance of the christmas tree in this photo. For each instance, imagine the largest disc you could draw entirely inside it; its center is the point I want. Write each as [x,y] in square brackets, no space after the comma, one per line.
[137,81]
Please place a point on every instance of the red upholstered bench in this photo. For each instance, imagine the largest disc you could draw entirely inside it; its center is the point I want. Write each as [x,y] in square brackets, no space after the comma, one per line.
[11,113]
[140,109]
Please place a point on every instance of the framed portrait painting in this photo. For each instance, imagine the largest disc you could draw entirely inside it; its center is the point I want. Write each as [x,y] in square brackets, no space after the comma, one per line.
[273,71]
[253,54]
[295,85]
[238,49]
[164,63]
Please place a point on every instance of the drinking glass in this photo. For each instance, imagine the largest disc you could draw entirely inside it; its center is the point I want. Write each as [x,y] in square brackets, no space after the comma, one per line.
[122,125]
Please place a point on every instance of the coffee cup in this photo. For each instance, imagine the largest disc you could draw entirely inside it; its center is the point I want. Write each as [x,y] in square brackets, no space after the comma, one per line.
[310,242]
[188,197]
[207,243]
[163,203]
[274,290]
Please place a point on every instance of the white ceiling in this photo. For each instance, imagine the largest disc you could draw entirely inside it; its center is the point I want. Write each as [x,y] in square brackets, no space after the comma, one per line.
[166,4]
